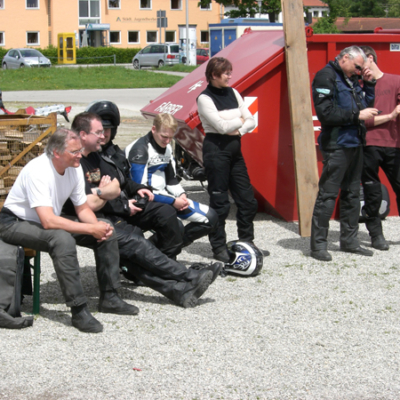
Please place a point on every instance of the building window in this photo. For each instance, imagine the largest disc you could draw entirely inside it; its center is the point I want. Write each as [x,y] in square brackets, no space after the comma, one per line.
[89,12]
[133,37]
[176,4]
[170,36]
[324,13]
[204,37]
[1,4]
[115,37]
[145,4]
[1,38]
[114,4]
[32,38]
[151,36]
[32,3]
[315,14]
[206,8]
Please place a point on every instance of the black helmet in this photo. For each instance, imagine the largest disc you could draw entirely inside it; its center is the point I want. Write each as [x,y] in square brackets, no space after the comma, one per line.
[247,258]
[108,112]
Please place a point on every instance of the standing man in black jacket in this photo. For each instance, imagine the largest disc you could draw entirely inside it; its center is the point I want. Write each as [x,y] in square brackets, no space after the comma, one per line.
[342,107]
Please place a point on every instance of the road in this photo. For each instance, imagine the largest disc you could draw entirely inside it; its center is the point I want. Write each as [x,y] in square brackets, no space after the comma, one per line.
[129,102]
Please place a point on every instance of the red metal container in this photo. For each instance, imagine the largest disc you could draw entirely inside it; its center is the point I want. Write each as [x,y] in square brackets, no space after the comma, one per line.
[259,74]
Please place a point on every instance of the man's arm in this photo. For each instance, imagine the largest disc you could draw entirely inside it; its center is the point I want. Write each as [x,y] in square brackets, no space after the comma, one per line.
[110,190]
[138,156]
[323,89]
[89,225]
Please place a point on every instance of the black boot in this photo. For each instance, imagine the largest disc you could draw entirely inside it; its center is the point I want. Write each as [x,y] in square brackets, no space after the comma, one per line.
[195,289]
[83,320]
[7,321]
[111,303]
[216,268]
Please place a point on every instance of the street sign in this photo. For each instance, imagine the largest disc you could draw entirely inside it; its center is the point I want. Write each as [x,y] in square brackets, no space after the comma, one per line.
[162,22]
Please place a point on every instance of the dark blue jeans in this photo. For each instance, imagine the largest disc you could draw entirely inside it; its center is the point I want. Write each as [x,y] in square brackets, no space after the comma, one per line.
[61,247]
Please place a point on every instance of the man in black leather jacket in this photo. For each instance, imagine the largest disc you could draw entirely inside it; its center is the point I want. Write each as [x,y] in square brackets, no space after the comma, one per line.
[342,106]
[135,205]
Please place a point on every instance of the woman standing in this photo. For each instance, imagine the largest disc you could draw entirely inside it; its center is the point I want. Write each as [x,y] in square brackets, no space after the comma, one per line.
[225,119]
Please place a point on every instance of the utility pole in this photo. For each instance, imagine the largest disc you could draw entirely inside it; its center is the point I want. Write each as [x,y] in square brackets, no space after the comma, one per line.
[187,33]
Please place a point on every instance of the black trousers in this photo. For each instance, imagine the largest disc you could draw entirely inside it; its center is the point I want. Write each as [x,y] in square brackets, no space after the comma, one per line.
[341,170]
[149,264]
[388,158]
[226,171]
[161,218]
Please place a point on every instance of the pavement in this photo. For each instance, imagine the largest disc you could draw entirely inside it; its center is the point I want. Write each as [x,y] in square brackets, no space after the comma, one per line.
[129,101]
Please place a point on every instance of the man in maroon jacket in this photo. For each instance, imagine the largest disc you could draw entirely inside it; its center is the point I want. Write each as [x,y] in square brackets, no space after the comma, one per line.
[382,147]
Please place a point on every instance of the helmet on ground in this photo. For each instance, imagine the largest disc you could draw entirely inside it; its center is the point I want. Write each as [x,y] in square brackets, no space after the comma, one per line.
[109,114]
[247,258]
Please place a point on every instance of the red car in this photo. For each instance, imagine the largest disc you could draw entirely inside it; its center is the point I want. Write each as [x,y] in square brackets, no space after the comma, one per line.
[202,55]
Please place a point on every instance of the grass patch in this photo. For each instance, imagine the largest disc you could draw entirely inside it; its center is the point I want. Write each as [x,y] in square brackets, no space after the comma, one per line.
[82,78]
[178,68]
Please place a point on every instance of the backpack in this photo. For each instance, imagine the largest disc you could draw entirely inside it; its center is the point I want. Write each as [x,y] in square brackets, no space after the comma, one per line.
[11,278]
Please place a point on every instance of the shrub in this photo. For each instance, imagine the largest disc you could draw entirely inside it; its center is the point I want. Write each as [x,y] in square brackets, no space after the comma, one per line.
[89,55]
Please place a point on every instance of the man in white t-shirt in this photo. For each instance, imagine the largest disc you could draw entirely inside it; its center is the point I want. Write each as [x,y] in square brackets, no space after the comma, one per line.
[31,217]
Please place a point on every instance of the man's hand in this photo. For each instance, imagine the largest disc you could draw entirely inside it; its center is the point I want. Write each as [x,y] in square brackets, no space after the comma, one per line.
[181,202]
[105,180]
[395,112]
[101,230]
[133,208]
[367,113]
[149,193]
[367,74]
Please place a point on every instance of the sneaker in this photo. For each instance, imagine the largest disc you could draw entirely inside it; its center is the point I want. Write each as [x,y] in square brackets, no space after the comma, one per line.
[196,289]
[379,242]
[85,322]
[111,303]
[216,268]
[321,255]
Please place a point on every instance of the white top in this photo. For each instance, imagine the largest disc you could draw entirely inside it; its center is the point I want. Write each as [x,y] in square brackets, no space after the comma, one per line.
[40,185]
[224,121]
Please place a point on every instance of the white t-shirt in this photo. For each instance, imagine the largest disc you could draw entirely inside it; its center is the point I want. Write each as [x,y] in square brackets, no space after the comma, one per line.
[40,185]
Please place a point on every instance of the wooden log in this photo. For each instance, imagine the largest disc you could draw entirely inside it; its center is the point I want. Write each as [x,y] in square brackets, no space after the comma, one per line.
[305,156]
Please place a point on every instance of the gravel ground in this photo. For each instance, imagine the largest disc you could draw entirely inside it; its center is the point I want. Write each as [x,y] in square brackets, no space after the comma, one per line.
[302,329]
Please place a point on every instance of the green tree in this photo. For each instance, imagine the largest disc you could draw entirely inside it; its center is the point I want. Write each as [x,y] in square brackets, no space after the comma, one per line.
[248,8]
[393,8]
[367,8]
[337,8]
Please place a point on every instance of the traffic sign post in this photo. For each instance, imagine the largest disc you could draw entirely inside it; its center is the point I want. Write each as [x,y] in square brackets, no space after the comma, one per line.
[162,21]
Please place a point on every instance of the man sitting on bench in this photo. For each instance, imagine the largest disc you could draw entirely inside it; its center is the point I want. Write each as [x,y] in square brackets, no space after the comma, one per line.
[31,217]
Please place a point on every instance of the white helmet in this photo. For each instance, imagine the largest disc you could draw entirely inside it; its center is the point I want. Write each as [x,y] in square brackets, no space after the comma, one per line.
[247,258]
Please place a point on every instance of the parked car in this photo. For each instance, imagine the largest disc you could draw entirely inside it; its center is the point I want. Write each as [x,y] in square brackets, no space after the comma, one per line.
[157,55]
[20,58]
[202,55]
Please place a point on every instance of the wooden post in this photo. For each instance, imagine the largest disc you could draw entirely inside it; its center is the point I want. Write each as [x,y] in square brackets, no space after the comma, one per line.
[304,152]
